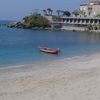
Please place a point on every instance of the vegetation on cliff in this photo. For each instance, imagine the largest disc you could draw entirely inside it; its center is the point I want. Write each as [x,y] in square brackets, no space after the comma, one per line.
[36,20]
[32,21]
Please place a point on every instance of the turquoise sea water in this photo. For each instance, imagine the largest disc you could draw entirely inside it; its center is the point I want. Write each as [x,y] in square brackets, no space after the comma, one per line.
[19,46]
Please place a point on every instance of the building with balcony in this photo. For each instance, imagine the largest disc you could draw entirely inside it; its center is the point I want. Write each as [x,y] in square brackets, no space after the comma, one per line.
[90,9]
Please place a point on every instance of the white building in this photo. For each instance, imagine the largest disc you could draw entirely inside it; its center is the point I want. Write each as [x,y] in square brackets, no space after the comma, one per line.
[91,9]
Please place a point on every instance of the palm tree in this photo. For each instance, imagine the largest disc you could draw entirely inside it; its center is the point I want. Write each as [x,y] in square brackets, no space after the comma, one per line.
[49,11]
[58,12]
[61,11]
[45,12]
[76,12]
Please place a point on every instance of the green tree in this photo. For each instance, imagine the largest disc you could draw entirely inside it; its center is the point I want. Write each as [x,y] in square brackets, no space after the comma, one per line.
[35,20]
[66,13]
[76,12]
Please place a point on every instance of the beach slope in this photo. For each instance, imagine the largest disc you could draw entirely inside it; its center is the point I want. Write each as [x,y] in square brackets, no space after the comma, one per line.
[77,78]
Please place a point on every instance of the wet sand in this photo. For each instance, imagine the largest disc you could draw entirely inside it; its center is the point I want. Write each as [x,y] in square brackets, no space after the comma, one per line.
[76,78]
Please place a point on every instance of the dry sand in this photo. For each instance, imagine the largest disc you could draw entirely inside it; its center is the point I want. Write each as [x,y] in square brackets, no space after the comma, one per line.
[77,78]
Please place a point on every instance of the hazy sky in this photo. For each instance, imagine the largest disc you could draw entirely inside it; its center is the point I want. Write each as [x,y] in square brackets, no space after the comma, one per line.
[16,9]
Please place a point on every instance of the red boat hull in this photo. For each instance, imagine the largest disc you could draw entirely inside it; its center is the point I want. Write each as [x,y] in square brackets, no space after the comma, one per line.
[48,50]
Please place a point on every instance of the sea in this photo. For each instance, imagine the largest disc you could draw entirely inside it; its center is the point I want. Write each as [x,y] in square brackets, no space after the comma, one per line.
[20,46]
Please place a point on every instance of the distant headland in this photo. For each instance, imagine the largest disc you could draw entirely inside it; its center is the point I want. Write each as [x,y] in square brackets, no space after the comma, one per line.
[86,18]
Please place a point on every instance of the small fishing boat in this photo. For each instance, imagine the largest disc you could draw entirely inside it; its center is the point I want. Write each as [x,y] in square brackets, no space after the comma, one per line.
[49,50]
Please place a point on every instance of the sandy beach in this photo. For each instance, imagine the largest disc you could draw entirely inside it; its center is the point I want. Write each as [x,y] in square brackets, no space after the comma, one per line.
[76,78]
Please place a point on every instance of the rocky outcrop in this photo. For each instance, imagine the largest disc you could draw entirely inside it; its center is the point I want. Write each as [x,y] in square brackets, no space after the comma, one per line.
[32,22]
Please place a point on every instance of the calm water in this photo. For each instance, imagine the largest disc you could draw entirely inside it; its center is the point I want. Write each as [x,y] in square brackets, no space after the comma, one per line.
[19,46]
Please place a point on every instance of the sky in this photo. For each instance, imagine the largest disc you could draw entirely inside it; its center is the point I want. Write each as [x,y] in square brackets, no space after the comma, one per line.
[17,9]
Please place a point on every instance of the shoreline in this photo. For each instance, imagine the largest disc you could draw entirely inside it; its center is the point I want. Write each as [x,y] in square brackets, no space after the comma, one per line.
[47,61]
[62,29]
[53,80]
[43,61]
